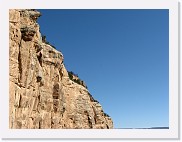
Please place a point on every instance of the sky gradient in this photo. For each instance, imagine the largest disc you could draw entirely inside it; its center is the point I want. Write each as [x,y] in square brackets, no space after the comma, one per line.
[122,55]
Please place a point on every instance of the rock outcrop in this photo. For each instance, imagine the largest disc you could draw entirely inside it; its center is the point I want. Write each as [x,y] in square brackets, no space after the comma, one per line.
[41,93]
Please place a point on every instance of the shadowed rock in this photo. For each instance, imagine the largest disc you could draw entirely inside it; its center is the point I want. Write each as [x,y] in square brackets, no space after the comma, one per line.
[42,93]
[28,33]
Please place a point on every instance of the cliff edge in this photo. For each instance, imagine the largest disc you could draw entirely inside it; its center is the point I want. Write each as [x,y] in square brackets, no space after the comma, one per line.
[42,93]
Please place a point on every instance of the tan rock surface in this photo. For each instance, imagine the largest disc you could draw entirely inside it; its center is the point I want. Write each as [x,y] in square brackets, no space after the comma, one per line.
[41,93]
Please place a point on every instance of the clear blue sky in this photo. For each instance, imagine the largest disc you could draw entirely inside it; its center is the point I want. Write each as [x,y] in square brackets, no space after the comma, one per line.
[122,55]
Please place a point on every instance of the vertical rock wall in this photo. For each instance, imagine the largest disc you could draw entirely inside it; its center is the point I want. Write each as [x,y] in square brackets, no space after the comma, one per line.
[41,94]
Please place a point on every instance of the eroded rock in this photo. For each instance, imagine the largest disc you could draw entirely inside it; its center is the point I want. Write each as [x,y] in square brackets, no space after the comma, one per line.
[42,95]
[28,33]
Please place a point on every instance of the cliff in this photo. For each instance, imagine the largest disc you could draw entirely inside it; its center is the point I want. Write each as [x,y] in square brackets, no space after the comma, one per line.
[42,93]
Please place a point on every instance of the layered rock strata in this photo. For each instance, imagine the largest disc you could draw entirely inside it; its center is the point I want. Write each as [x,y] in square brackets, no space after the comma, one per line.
[41,94]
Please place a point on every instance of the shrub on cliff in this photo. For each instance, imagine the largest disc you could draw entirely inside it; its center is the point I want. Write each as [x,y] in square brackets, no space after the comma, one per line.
[70,74]
[78,81]
[105,114]
[45,41]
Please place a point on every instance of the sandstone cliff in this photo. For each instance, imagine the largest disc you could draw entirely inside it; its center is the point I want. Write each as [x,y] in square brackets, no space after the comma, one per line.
[42,95]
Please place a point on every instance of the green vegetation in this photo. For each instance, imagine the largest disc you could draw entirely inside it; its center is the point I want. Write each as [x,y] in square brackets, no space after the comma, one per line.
[105,114]
[78,81]
[70,74]
[92,99]
[45,41]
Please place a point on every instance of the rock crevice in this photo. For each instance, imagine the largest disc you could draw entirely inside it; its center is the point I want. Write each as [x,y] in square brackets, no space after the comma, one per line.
[41,94]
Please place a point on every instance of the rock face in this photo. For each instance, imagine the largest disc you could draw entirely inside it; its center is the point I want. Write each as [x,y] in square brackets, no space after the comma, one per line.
[41,93]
